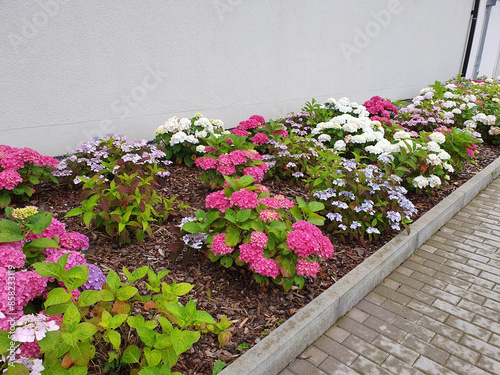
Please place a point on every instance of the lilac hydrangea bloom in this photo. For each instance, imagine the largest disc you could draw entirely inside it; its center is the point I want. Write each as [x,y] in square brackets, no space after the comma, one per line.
[95,280]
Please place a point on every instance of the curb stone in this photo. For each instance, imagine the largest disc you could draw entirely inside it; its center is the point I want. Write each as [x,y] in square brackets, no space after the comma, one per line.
[285,343]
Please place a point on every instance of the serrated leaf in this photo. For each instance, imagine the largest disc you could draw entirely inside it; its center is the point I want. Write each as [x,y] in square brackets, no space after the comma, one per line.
[89,297]
[147,335]
[126,292]
[152,356]
[57,296]
[113,280]
[243,215]
[182,289]
[191,227]
[114,338]
[71,317]
[316,206]
[10,231]
[81,353]
[183,340]
[132,354]
[232,236]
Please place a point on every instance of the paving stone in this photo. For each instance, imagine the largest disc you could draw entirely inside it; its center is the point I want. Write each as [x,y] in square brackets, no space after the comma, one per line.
[490,276]
[337,334]
[331,366]
[301,367]
[357,314]
[395,349]
[357,329]
[468,328]
[429,280]
[402,279]
[313,355]
[391,294]
[398,367]
[486,324]
[385,328]
[485,267]
[412,328]
[286,372]
[367,350]
[420,268]
[492,243]
[415,294]
[430,256]
[447,254]
[479,310]
[439,244]
[335,350]
[441,267]
[391,284]
[375,298]
[488,364]
[495,340]
[431,368]
[430,351]
[480,346]
[463,368]
[430,311]
[401,310]
[475,280]
[445,296]
[468,295]
[493,262]
[456,349]
[404,270]
[468,255]
[480,245]
[459,227]
[485,292]
[488,253]
[486,235]
[454,280]
[461,267]
[371,309]
[428,248]
[366,367]
[453,310]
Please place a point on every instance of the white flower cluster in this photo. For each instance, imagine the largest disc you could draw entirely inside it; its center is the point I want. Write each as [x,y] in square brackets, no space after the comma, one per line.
[368,131]
[422,182]
[344,105]
[184,130]
[486,120]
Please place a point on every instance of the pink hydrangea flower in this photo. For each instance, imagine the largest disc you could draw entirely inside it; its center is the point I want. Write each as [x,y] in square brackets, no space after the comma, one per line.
[256,172]
[9,178]
[244,199]
[74,241]
[49,161]
[306,268]
[55,229]
[206,163]
[12,161]
[217,200]
[302,243]
[219,245]
[30,350]
[75,258]
[260,139]
[266,267]
[269,215]
[258,118]
[33,327]
[210,149]
[11,254]
[258,239]
[283,202]
[240,132]
[270,202]
[238,157]
[307,227]
[248,124]
[262,189]
[325,248]
[250,253]
[282,132]
[226,169]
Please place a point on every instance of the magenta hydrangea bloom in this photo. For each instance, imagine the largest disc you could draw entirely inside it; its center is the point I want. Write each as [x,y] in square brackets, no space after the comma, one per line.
[283,202]
[217,200]
[307,227]
[240,132]
[270,202]
[260,139]
[282,132]
[219,245]
[238,157]
[266,267]
[258,239]
[30,350]
[11,254]
[12,161]
[306,268]
[302,243]
[248,124]
[244,199]
[250,253]
[226,169]
[206,163]
[269,215]
[325,248]
[258,118]
[9,178]
[74,241]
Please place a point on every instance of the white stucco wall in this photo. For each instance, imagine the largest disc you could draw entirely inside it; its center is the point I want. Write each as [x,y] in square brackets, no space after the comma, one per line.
[71,70]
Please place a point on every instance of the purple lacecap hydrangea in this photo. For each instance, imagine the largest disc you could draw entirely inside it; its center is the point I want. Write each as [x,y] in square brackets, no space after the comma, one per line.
[95,280]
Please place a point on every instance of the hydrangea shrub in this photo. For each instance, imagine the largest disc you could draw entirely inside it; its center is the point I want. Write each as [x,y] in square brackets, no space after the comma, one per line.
[20,170]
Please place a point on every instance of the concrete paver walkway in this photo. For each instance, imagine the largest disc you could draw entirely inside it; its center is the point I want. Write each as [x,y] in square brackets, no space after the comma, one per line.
[438,313]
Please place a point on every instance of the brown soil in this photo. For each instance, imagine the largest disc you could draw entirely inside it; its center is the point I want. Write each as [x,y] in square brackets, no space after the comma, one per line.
[255,310]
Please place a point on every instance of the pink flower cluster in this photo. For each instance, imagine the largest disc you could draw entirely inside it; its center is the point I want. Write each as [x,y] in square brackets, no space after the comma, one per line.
[11,254]
[219,245]
[269,215]
[253,254]
[381,107]
[260,139]
[306,239]
[12,159]
[217,200]
[277,202]
[244,199]
[307,268]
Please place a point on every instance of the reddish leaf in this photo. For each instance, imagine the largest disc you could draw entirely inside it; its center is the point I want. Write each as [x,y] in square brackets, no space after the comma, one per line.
[121,307]
[67,362]
[150,305]
[224,337]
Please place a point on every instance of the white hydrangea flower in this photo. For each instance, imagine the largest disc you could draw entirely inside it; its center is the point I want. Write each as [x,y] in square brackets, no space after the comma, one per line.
[420,182]
[437,137]
[204,122]
[340,145]
[200,148]
[448,95]
[402,135]
[443,155]
[488,80]
[178,137]
[448,167]
[471,124]
[456,111]
[358,138]
[490,120]
[218,123]
[374,150]
[324,138]
[201,134]
[433,147]
[434,181]
[350,127]
[434,160]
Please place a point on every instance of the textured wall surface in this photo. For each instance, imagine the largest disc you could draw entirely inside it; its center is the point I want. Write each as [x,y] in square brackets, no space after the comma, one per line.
[73,70]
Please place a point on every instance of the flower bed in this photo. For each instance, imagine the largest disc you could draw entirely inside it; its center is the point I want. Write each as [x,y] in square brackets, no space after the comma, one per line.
[254,234]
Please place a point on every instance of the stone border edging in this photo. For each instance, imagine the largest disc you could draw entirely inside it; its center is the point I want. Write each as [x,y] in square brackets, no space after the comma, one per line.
[276,351]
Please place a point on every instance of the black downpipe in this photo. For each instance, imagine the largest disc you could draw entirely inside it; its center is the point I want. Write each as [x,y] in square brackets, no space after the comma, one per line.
[472,29]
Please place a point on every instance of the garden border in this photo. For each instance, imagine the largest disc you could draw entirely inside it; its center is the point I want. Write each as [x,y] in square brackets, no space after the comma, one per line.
[276,351]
